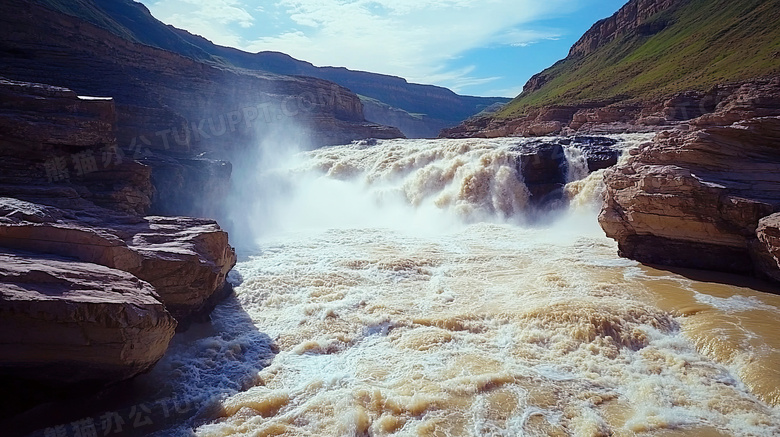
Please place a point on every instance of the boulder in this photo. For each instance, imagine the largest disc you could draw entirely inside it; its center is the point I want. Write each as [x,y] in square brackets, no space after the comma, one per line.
[65,322]
[544,167]
[599,152]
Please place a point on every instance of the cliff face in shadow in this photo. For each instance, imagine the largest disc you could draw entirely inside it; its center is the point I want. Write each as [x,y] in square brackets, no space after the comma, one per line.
[91,287]
[172,109]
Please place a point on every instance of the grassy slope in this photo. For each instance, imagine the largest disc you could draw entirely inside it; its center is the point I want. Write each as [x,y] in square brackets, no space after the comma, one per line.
[705,42]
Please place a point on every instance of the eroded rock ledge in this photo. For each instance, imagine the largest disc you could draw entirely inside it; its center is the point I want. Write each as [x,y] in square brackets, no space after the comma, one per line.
[185,259]
[702,199]
[721,105]
[67,322]
[91,287]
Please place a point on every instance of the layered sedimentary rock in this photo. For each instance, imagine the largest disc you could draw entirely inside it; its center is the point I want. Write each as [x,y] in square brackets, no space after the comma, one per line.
[586,119]
[185,259]
[719,106]
[69,192]
[695,199]
[434,107]
[158,90]
[51,135]
[95,295]
[182,117]
[66,322]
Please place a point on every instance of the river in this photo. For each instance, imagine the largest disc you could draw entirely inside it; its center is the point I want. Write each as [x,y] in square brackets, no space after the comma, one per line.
[405,288]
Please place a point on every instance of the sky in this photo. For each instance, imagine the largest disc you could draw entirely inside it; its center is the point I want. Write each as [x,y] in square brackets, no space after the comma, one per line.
[474,47]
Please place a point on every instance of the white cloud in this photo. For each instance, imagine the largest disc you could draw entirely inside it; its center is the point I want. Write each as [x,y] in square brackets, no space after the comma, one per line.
[211,19]
[409,38]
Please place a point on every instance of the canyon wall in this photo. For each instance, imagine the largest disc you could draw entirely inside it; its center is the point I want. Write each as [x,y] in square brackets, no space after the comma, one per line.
[696,199]
[183,117]
[631,17]
[91,288]
[437,107]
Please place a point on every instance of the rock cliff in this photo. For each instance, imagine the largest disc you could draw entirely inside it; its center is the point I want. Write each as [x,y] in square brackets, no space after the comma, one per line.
[157,90]
[182,117]
[51,135]
[91,288]
[700,199]
[631,17]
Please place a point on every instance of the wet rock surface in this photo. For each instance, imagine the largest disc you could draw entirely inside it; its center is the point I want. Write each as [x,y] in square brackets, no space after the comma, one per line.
[599,152]
[545,167]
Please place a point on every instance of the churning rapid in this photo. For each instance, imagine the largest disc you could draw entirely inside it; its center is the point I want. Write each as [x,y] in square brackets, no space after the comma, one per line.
[402,288]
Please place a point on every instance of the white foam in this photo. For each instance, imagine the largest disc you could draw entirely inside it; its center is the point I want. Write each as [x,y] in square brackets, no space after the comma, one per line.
[733,303]
[395,313]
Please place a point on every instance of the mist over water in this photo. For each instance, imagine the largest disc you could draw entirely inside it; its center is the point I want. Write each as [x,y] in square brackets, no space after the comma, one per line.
[409,287]
[407,185]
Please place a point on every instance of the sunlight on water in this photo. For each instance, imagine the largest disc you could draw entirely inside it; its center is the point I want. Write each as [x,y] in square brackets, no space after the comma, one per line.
[407,295]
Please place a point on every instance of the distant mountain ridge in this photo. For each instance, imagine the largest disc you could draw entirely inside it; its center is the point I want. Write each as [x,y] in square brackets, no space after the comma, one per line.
[419,110]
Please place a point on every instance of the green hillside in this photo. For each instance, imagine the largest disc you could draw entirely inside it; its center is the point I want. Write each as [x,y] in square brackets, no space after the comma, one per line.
[695,45]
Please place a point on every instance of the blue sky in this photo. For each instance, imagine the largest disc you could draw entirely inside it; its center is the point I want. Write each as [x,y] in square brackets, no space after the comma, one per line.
[475,47]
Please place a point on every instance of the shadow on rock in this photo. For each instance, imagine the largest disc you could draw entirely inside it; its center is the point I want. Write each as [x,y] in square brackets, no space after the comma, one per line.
[203,365]
[730,279]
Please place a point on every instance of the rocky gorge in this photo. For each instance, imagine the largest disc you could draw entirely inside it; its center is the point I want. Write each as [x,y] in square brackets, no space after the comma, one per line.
[117,155]
[703,193]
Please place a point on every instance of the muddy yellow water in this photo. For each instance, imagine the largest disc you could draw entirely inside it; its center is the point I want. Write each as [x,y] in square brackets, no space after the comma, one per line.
[398,308]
